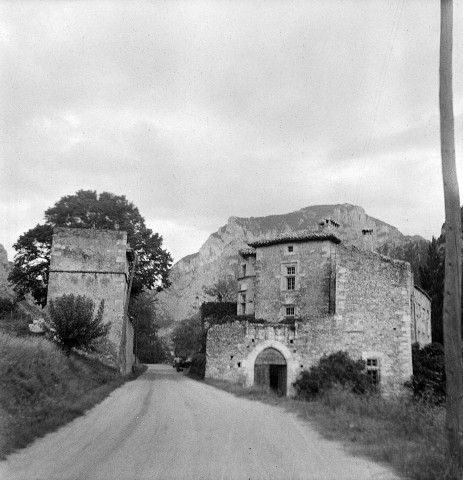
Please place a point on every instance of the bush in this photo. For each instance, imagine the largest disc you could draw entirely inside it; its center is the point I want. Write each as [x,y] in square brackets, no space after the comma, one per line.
[198,366]
[72,322]
[335,369]
[7,305]
[428,380]
[217,309]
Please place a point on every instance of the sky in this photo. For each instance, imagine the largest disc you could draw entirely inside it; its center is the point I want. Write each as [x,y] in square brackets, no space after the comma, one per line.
[201,110]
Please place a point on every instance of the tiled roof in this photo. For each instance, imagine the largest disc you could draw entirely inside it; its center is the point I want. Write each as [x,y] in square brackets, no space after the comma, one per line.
[247,252]
[299,236]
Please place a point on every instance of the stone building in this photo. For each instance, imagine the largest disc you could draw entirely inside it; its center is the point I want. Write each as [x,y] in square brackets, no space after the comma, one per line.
[315,296]
[95,263]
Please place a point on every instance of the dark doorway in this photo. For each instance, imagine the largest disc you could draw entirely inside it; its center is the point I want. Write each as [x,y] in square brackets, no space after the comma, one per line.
[270,370]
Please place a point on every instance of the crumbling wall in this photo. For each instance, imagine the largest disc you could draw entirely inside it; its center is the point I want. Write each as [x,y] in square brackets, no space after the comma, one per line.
[421,317]
[94,263]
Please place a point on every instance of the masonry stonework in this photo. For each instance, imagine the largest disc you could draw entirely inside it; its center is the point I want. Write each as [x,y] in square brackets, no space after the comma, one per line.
[341,298]
[95,263]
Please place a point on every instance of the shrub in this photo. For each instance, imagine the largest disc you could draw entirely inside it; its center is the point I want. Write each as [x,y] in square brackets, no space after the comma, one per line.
[335,369]
[217,309]
[198,366]
[7,305]
[428,380]
[73,324]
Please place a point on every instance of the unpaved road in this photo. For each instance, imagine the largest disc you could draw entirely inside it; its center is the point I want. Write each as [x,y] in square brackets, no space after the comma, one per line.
[166,426]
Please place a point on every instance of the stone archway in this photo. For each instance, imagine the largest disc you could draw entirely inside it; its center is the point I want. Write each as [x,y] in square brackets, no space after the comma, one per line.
[270,370]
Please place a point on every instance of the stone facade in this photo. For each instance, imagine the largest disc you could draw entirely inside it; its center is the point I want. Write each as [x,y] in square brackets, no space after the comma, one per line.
[95,263]
[421,312]
[316,296]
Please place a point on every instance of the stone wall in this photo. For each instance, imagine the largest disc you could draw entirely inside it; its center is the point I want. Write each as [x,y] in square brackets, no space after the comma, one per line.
[94,263]
[313,287]
[421,313]
[348,299]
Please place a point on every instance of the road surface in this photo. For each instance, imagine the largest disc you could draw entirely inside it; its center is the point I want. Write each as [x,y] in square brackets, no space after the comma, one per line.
[165,426]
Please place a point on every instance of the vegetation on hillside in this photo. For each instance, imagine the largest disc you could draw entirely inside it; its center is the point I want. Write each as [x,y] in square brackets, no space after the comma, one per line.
[87,209]
[41,388]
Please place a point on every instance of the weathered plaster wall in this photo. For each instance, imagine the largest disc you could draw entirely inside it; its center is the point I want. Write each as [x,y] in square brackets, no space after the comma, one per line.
[313,289]
[93,263]
[421,313]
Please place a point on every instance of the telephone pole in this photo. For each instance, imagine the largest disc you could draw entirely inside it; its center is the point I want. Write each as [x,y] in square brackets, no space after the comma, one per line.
[452,284]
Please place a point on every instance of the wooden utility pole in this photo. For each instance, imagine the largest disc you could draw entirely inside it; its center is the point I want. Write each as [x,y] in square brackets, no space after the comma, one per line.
[452,284]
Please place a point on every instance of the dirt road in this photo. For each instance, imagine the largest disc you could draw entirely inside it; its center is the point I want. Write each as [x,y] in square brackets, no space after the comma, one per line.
[165,426]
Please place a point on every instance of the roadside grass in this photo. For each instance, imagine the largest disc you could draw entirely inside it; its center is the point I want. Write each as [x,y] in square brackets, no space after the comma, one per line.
[407,435]
[42,389]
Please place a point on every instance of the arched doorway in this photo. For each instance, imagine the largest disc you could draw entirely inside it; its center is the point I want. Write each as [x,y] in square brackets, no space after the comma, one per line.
[270,370]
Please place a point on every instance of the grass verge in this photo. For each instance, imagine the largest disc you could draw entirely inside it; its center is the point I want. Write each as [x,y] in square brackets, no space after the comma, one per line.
[42,389]
[408,435]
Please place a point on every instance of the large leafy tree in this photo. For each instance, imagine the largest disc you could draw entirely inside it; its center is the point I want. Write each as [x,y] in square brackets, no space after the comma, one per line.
[87,209]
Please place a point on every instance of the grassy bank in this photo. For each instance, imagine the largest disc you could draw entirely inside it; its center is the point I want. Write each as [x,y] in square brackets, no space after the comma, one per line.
[409,436]
[42,389]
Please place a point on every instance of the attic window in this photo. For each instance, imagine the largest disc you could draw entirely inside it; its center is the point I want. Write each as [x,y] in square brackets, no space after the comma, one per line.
[290,312]
[367,231]
[290,248]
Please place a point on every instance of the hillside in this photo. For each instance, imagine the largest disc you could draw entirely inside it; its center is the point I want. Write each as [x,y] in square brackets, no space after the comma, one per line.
[218,256]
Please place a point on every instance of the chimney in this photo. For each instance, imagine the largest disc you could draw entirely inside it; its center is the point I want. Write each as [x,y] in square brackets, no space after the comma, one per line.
[368,239]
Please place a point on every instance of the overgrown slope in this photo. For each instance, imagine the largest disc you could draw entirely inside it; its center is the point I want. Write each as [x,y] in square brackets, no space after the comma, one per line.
[41,388]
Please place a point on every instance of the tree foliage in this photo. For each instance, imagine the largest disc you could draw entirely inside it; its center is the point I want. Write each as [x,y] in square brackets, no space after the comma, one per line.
[432,282]
[428,380]
[87,209]
[413,252]
[149,347]
[73,324]
[335,369]
[188,337]
[224,290]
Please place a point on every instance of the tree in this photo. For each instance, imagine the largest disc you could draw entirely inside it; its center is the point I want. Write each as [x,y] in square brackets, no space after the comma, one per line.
[149,347]
[452,282]
[432,281]
[87,209]
[224,290]
[73,324]
[188,337]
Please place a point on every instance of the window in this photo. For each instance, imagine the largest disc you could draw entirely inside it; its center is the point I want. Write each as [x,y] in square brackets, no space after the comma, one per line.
[373,370]
[290,283]
[243,270]
[290,248]
[290,313]
[243,303]
[291,270]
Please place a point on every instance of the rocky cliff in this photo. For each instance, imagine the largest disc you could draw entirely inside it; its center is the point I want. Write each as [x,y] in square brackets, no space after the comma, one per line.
[218,256]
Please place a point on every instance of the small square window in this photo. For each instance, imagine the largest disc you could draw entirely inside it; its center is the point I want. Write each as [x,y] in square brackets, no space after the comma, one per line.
[291,270]
[290,311]
[290,249]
